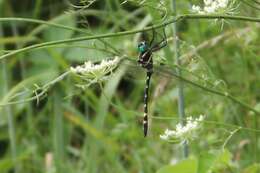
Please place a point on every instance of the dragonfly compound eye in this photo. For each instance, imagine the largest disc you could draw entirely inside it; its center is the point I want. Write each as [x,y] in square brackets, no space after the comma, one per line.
[142,47]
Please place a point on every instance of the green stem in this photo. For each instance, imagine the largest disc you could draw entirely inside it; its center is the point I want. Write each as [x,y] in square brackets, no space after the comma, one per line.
[28,20]
[256,140]
[44,89]
[224,94]
[37,8]
[180,86]
[178,18]
[10,118]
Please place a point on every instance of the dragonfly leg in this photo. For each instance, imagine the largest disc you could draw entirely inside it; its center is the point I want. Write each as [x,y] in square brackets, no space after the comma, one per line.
[162,43]
[151,42]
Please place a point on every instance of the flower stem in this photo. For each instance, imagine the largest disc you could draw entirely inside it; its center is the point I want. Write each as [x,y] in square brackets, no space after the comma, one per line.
[181,104]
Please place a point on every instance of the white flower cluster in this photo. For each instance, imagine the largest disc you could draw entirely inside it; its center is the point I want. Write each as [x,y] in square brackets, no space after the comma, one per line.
[185,132]
[211,6]
[91,70]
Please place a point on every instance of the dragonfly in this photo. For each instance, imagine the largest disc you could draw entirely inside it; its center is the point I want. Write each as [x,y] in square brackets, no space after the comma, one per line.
[145,60]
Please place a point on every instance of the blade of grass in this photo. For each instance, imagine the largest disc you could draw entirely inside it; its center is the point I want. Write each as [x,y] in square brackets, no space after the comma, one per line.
[58,134]
[8,112]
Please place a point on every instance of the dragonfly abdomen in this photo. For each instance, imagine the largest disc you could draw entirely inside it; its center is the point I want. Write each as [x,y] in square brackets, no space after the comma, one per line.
[146,94]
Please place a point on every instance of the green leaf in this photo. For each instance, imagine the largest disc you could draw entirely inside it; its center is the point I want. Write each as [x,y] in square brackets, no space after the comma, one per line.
[8,163]
[255,168]
[225,157]
[206,160]
[80,51]
[223,160]
[257,107]
[40,61]
[155,9]
[54,34]
[185,166]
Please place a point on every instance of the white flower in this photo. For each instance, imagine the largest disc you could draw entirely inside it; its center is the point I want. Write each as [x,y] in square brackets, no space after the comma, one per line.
[195,8]
[211,6]
[222,3]
[90,69]
[184,132]
[93,73]
[207,2]
[210,9]
[164,137]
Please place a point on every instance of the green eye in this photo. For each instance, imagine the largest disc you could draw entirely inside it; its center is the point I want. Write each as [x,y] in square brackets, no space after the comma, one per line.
[142,47]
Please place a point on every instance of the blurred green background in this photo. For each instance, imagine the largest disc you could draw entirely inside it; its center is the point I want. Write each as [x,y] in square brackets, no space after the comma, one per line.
[99,129]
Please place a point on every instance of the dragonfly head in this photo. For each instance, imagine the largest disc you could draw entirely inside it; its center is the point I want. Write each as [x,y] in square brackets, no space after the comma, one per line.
[142,47]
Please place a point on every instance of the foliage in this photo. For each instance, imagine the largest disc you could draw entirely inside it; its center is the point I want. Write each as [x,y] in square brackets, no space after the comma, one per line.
[49,124]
